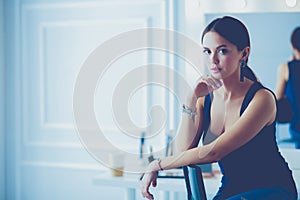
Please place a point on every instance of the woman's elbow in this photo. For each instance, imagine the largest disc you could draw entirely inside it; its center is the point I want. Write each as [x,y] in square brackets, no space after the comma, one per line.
[210,155]
[214,157]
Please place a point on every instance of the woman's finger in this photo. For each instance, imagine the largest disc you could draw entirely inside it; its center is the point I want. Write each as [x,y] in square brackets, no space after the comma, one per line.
[154,183]
[213,82]
[148,179]
[146,193]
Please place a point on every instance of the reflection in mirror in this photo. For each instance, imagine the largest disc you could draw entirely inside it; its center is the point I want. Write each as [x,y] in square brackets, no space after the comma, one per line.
[270,25]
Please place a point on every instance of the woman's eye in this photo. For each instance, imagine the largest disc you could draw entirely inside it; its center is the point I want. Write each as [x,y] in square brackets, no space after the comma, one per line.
[223,51]
[206,51]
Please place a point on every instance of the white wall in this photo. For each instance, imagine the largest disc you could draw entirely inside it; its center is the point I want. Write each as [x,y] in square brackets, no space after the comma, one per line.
[46,44]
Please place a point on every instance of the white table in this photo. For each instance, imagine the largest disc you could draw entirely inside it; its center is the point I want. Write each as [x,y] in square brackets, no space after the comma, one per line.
[166,186]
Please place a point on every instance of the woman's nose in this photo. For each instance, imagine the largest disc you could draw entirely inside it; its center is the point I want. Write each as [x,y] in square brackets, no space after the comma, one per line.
[214,58]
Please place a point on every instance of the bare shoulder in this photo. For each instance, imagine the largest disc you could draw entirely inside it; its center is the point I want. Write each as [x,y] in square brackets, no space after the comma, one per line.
[283,66]
[283,71]
[264,102]
[265,96]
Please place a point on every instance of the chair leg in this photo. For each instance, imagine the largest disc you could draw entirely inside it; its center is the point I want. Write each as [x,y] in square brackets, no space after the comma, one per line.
[187,183]
[194,182]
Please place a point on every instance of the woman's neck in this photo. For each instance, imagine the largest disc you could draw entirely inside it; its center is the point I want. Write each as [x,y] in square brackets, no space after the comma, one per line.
[233,88]
[296,54]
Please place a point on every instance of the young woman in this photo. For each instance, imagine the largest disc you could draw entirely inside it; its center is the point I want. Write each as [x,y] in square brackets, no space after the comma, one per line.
[236,116]
[288,85]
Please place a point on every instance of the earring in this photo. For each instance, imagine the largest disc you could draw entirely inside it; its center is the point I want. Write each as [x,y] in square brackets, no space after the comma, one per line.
[242,70]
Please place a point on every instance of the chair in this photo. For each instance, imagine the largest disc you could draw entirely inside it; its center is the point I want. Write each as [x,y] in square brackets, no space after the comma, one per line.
[194,182]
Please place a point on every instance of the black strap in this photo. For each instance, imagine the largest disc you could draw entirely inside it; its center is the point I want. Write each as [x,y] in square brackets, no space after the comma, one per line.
[207,104]
[250,94]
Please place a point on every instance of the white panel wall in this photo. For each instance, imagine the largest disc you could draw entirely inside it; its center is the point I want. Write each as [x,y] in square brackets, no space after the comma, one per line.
[47,42]
[60,37]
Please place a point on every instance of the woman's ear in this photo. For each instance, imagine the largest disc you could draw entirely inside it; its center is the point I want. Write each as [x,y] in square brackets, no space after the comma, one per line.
[246,52]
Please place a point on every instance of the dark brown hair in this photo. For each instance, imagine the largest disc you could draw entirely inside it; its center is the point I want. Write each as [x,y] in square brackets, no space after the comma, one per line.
[235,32]
[295,38]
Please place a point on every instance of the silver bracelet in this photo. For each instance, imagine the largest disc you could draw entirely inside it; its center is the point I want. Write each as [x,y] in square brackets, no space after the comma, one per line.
[189,111]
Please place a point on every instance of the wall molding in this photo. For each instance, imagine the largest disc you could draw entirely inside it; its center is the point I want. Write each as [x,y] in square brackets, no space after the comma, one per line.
[36,141]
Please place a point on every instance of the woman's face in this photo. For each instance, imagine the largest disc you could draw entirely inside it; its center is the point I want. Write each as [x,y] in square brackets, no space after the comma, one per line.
[221,57]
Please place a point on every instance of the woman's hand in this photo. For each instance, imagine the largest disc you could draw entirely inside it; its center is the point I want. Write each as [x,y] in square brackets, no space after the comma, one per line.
[204,86]
[150,177]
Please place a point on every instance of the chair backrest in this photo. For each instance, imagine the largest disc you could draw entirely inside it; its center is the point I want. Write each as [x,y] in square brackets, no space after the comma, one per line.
[194,182]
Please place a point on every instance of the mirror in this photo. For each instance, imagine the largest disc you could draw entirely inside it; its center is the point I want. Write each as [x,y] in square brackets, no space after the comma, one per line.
[270,24]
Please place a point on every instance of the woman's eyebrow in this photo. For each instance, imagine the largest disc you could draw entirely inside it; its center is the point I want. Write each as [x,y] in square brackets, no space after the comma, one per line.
[221,46]
[218,47]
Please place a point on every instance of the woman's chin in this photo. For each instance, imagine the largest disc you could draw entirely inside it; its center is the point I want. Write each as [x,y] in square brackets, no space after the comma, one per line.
[216,75]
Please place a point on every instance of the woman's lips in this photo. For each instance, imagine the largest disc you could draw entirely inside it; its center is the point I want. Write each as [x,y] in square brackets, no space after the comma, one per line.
[215,70]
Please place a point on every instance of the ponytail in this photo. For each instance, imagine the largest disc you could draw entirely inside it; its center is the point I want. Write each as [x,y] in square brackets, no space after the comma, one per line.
[248,73]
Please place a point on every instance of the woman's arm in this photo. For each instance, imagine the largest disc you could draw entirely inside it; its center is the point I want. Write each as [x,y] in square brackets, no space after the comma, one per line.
[190,130]
[282,78]
[260,112]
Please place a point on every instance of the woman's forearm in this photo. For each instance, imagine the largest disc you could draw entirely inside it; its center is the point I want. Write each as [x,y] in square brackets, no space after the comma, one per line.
[197,155]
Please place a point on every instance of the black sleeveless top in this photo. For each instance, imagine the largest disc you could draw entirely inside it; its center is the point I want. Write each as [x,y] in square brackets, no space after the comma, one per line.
[293,93]
[257,164]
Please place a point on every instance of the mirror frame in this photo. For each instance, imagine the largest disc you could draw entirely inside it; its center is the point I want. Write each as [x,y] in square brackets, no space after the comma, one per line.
[195,10]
